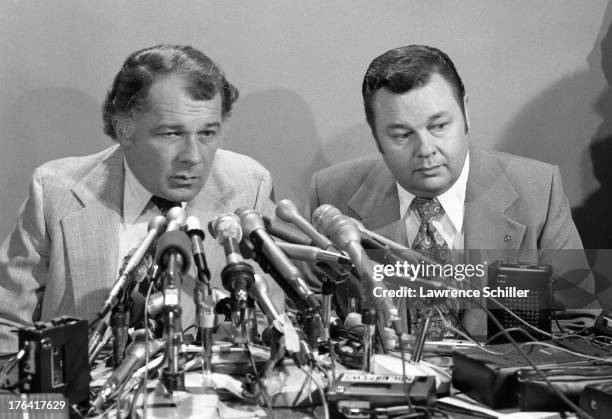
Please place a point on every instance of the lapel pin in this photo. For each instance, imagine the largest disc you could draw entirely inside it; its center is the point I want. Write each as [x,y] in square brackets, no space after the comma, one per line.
[507,237]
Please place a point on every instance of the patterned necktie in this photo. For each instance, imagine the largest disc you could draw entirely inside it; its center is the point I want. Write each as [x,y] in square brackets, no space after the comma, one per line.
[430,243]
[163,204]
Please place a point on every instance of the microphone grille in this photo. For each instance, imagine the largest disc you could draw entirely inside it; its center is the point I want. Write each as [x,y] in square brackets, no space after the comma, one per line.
[286,210]
[158,223]
[322,217]
[226,226]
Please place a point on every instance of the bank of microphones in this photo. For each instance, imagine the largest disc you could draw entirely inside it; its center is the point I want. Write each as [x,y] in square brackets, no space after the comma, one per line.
[321,267]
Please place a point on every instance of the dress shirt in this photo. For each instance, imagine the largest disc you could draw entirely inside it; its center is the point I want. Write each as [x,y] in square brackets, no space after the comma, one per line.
[449,222]
[138,210]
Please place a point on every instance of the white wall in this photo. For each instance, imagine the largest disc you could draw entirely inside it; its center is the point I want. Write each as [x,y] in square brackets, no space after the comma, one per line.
[533,71]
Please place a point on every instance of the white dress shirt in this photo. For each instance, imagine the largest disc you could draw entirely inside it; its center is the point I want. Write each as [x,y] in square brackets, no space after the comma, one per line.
[137,212]
[448,222]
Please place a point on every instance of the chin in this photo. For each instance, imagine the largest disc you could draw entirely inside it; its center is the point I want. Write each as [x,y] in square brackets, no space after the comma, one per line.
[431,189]
[180,196]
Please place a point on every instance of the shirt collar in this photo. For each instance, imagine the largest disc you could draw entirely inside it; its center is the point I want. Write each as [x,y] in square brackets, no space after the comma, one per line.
[453,200]
[135,196]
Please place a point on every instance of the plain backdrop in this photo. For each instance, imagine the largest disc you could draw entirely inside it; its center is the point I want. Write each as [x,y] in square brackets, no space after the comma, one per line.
[536,73]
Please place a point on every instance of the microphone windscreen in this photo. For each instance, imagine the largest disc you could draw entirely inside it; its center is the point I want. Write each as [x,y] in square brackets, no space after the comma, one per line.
[175,240]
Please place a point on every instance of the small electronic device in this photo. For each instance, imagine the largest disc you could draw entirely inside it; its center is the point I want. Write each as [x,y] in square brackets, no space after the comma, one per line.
[361,395]
[596,399]
[55,359]
[603,324]
[524,289]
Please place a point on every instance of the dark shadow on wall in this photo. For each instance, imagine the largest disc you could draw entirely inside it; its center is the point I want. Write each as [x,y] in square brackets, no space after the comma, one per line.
[593,217]
[277,128]
[549,129]
[42,125]
[353,142]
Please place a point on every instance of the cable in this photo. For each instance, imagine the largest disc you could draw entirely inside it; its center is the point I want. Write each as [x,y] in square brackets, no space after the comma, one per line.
[559,394]
[512,329]
[594,358]
[10,364]
[297,396]
[554,316]
[404,376]
[264,393]
[321,393]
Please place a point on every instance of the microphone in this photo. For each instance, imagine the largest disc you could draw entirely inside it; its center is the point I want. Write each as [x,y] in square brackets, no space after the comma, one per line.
[288,212]
[135,357]
[347,236]
[176,218]
[260,292]
[156,226]
[237,276]
[254,228]
[285,232]
[199,257]
[322,216]
[313,254]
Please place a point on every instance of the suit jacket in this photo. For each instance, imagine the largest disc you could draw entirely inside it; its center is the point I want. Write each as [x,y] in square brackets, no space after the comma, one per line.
[61,257]
[515,210]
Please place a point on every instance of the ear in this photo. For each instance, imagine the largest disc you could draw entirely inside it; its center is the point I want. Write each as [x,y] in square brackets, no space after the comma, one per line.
[224,130]
[124,128]
[466,114]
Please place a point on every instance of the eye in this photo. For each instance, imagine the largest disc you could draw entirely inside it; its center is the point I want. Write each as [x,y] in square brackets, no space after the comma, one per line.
[439,126]
[401,136]
[207,135]
[169,134]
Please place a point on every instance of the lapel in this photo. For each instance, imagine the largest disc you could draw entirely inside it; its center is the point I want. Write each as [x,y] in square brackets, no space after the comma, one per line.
[92,232]
[491,205]
[376,202]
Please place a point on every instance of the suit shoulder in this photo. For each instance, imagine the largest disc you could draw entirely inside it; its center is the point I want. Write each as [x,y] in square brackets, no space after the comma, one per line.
[522,169]
[73,168]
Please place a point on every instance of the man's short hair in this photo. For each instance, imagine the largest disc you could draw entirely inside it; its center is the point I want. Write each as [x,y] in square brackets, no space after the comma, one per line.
[405,68]
[131,86]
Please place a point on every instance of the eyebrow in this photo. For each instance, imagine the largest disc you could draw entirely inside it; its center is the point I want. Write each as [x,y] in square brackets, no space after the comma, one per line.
[400,125]
[181,126]
[437,115]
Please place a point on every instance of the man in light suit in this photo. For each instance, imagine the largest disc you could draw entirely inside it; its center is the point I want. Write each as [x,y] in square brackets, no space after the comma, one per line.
[167,110]
[491,205]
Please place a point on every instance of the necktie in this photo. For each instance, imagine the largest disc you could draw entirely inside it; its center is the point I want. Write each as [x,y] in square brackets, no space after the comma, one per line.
[163,204]
[430,243]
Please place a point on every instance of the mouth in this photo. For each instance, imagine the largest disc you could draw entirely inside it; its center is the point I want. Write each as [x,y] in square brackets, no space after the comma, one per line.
[429,170]
[183,179]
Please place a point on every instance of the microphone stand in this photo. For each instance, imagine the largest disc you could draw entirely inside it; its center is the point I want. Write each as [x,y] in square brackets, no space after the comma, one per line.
[421,336]
[369,319]
[205,317]
[120,320]
[172,375]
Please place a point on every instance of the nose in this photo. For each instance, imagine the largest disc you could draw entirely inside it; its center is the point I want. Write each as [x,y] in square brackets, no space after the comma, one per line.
[190,152]
[426,146]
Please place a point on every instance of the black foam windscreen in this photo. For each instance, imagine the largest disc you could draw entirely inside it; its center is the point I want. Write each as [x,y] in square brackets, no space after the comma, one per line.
[177,241]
